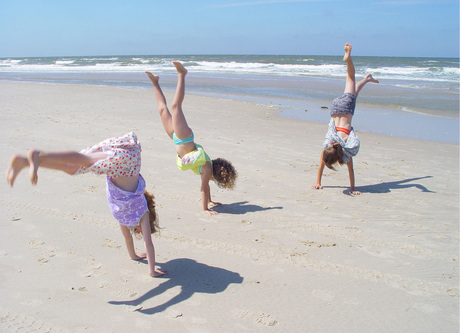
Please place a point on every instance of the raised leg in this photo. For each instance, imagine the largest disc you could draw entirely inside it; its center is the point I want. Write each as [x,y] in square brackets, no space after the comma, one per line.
[363,82]
[66,161]
[350,80]
[180,125]
[17,163]
[165,115]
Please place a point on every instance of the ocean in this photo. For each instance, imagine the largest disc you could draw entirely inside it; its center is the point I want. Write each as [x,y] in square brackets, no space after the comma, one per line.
[417,98]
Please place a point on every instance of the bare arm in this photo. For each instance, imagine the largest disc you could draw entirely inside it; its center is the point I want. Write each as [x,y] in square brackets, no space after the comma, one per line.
[205,189]
[149,248]
[130,244]
[319,175]
[351,175]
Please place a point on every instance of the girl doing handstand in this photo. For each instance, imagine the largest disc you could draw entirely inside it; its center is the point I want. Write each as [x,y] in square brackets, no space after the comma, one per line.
[119,158]
[341,143]
[191,155]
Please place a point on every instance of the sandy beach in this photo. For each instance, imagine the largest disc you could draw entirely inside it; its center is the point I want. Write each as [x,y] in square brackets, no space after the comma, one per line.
[279,257]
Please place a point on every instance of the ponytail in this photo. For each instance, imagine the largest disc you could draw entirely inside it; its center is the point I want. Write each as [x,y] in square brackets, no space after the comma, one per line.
[153,218]
[333,154]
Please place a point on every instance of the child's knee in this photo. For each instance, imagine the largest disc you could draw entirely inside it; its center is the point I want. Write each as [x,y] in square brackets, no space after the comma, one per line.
[175,107]
[163,109]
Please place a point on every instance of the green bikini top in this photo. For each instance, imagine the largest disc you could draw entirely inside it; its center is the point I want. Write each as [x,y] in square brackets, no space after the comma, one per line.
[197,168]
[193,160]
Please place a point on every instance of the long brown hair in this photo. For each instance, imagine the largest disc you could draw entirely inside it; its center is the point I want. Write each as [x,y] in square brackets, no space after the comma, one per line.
[332,155]
[153,218]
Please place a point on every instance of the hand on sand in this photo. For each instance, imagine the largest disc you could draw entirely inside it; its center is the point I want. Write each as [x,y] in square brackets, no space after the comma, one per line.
[317,187]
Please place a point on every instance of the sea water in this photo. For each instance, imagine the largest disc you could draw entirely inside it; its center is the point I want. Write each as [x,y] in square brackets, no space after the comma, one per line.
[417,97]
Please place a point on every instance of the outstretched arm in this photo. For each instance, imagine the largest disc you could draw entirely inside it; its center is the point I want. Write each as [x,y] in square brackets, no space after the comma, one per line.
[351,175]
[149,248]
[319,174]
[206,176]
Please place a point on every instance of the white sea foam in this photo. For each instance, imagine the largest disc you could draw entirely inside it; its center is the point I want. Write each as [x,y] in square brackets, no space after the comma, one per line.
[427,70]
[452,71]
[267,68]
[64,62]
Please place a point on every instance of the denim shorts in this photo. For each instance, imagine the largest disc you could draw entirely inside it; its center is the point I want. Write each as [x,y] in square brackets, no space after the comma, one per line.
[344,104]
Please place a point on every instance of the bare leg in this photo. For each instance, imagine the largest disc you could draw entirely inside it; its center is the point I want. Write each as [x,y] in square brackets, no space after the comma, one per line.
[180,125]
[33,159]
[66,161]
[350,80]
[165,116]
[363,82]
[17,163]
[130,244]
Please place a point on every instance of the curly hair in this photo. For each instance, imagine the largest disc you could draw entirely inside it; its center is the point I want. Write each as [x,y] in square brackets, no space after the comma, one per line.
[153,218]
[332,155]
[224,173]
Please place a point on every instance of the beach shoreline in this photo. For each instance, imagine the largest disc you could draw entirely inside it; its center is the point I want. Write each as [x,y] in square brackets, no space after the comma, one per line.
[279,256]
[381,119]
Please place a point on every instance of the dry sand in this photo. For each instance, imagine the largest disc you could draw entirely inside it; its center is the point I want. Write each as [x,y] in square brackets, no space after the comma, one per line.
[279,257]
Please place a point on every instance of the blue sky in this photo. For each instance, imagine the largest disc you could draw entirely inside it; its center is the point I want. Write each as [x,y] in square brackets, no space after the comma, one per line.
[142,27]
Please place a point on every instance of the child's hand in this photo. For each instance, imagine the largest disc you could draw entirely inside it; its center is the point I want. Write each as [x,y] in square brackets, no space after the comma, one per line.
[158,272]
[140,256]
[317,187]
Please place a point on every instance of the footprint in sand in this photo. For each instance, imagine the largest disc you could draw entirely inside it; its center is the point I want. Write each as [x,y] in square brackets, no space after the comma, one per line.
[32,302]
[323,295]
[427,308]
[377,252]
[35,243]
[266,320]
[94,270]
[109,243]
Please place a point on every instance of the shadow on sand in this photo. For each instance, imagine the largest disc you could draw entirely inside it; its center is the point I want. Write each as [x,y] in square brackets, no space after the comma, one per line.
[192,277]
[386,187]
[240,208]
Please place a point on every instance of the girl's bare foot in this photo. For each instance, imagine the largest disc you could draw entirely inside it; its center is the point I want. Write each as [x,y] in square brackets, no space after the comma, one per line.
[17,163]
[32,158]
[153,78]
[158,272]
[347,49]
[180,69]
[369,78]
